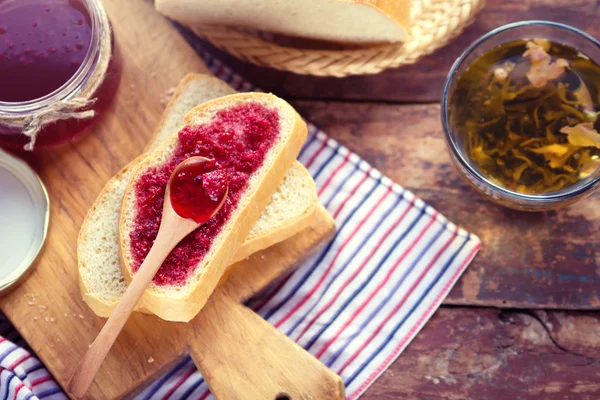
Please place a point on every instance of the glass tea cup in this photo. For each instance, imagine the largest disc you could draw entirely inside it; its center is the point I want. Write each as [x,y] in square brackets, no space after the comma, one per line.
[552,31]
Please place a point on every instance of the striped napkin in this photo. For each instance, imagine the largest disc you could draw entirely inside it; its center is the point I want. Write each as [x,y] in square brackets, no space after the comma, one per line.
[355,305]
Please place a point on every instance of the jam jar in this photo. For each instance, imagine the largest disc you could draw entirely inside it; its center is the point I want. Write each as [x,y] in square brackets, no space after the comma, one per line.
[59,68]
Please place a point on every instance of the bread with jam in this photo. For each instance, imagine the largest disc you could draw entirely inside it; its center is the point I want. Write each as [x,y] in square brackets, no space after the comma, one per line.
[290,210]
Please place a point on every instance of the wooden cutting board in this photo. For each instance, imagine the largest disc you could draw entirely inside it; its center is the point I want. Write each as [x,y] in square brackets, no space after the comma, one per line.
[227,341]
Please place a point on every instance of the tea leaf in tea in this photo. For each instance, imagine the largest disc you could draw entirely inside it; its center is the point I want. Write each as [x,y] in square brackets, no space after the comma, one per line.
[526,113]
[582,135]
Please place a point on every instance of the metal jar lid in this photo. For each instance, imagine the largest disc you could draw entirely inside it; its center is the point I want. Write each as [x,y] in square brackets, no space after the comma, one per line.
[24,215]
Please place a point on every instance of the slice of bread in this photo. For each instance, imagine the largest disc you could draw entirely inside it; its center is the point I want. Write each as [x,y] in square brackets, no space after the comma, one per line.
[357,21]
[183,299]
[193,89]
[101,282]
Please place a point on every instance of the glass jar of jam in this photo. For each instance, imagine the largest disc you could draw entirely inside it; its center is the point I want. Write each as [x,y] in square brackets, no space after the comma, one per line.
[58,67]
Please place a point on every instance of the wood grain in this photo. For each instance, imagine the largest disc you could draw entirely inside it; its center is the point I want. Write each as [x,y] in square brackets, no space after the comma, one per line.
[528,260]
[242,357]
[545,260]
[47,308]
[74,174]
[50,315]
[423,81]
[490,354]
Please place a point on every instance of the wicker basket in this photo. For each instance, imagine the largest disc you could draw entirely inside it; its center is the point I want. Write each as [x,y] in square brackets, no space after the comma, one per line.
[435,23]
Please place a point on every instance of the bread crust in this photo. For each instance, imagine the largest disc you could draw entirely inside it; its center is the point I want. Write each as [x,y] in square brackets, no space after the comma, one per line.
[186,304]
[104,308]
[393,9]
[154,140]
[99,306]
[279,235]
[399,11]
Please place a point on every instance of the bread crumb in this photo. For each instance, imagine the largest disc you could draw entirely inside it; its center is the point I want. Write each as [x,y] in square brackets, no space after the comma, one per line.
[51,319]
[74,314]
[43,307]
[164,99]
[31,303]
[46,319]
[66,315]
[89,345]
[81,316]
[35,318]
[150,360]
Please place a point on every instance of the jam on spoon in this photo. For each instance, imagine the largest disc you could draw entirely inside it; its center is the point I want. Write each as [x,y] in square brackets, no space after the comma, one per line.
[197,189]
[198,208]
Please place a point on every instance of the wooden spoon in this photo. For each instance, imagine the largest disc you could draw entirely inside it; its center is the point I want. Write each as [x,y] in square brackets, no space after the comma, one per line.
[173,228]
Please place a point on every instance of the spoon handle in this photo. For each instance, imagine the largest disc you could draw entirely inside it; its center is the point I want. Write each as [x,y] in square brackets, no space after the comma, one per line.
[90,363]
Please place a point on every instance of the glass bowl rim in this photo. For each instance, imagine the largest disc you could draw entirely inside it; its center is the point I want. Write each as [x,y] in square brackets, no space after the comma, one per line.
[555,196]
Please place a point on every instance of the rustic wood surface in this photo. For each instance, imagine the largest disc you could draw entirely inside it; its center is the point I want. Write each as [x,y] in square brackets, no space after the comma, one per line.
[47,308]
[242,357]
[489,354]
[544,260]
[528,260]
[48,311]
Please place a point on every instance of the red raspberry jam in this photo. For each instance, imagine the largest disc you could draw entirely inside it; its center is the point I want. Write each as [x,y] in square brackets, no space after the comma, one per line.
[42,44]
[197,190]
[238,139]
[49,51]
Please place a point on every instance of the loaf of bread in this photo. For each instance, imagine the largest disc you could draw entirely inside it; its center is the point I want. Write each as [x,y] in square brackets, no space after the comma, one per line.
[357,21]
[290,210]
[256,137]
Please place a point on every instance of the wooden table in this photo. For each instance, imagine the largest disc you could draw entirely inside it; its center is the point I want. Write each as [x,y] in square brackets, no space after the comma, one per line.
[520,324]
[509,329]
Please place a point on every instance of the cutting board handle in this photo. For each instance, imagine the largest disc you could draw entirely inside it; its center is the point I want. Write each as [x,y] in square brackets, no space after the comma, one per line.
[243,357]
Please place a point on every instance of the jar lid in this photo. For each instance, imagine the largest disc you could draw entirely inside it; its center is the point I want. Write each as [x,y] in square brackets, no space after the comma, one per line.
[24,215]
